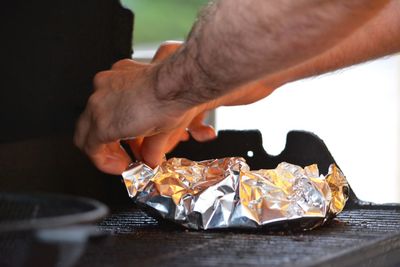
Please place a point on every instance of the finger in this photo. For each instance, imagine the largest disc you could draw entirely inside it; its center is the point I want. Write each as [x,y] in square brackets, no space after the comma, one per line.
[175,137]
[200,131]
[165,50]
[110,158]
[135,145]
[203,133]
[185,136]
[153,149]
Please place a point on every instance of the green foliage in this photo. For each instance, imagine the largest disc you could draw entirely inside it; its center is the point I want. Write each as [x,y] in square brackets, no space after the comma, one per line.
[159,20]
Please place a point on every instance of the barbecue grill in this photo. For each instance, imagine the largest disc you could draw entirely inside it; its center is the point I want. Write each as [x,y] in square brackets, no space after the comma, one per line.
[364,234]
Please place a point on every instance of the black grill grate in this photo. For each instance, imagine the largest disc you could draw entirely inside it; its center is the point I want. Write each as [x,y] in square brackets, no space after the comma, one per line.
[140,240]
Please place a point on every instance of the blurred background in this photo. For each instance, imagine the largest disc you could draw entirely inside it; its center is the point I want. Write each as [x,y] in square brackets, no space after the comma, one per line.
[354,110]
[160,20]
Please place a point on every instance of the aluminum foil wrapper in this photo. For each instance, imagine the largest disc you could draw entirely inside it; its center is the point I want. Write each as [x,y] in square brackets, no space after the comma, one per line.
[225,193]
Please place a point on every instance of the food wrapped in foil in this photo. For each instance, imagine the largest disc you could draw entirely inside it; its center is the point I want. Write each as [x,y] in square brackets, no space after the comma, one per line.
[225,193]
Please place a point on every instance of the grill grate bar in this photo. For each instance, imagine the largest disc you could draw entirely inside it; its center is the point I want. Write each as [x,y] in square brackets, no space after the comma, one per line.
[145,240]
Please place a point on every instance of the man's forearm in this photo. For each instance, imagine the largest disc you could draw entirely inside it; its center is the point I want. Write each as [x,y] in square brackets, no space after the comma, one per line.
[378,37]
[235,42]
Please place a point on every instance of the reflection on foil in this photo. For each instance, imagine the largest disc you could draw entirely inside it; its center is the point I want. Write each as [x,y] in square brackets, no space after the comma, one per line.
[225,193]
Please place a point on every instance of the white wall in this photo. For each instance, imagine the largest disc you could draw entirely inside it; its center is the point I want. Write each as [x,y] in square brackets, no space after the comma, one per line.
[355,111]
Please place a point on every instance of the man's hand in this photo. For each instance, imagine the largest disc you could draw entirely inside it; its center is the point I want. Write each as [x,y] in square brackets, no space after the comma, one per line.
[124,106]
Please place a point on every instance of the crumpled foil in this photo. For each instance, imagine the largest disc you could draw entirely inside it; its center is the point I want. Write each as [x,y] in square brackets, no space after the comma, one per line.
[225,193]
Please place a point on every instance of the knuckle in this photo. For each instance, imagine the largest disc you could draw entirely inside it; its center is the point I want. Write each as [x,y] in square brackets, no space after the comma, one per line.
[101,78]
[122,63]
[108,80]
[94,102]
[102,128]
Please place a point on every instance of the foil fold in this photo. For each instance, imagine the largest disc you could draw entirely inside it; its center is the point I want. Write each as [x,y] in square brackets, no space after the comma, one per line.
[225,193]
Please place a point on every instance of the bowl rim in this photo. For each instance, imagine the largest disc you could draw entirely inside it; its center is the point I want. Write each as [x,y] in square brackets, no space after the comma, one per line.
[97,210]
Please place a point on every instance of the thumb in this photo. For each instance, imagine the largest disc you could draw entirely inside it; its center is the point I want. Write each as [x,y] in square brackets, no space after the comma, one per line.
[153,149]
[200,131]
[111,158]
[165,50]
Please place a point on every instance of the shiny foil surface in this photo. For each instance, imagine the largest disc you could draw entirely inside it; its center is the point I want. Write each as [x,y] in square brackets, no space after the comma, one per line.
[225,193]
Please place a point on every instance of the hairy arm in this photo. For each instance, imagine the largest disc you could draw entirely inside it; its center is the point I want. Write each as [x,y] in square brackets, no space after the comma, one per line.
[380,36]
[235,42]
